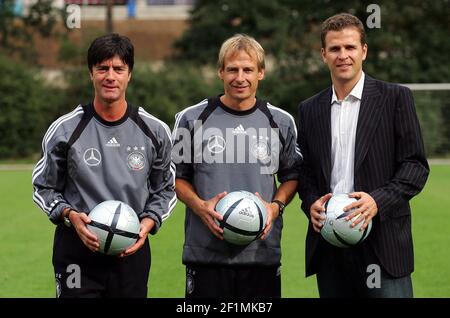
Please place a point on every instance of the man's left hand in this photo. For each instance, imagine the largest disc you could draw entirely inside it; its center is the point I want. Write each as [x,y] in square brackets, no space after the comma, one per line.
[366,206]
[146,226]
[272,213]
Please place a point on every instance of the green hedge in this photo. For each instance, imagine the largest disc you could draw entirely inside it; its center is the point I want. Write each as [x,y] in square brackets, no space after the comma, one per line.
[162,92]
[165,92]
[28,106]
[433,110]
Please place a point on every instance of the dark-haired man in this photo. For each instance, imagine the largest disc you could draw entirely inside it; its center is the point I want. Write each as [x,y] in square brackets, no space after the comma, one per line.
[104,150]
[360,136]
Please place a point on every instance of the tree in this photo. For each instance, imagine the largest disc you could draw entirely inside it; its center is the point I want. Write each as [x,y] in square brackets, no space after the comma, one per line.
[412,36]
[27,108]
[214,21]
[409,46]
[17,32]
[6,17]
[109,16]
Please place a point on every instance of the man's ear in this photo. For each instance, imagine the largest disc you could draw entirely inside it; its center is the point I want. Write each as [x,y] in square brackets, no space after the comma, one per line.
[365,49]
[261,74]
[323,54]
[220,73]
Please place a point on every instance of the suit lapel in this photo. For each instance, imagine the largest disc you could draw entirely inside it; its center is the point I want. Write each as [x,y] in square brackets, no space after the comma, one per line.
[369,115]
[324,133]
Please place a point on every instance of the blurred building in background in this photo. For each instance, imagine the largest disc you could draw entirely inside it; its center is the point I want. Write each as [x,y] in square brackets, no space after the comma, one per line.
[137,9]
[152,25]
[122,9]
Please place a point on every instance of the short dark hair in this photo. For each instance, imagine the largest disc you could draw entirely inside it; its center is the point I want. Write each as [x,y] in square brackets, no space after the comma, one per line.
[342,21]
[107,46]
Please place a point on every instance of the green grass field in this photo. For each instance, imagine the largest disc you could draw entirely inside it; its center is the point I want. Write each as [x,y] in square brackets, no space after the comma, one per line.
[26,238]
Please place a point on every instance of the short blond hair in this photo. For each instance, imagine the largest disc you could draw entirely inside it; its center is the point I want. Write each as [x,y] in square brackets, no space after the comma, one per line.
[240,42]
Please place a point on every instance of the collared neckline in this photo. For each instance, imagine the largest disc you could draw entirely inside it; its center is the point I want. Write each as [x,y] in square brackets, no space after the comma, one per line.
[355,92]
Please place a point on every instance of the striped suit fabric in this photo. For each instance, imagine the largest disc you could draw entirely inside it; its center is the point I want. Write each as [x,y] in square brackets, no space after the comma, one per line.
[390,165]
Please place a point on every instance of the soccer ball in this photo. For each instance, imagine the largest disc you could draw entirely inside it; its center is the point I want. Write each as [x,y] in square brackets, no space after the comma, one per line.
[116,225]
[244,217]
[336,230]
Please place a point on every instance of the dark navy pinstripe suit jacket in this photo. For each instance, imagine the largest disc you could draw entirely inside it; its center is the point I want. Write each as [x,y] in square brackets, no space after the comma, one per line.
[390,165]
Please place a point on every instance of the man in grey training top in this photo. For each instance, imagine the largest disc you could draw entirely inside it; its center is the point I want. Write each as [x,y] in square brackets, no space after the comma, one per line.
[104,150]
[244,142]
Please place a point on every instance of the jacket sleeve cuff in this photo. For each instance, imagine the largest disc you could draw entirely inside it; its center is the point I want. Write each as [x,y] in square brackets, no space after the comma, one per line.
[55,215]
[283,177]
[382,201]
[155,217]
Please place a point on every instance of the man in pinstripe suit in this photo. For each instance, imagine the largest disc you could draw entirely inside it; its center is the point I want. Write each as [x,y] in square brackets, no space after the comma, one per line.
[360,136]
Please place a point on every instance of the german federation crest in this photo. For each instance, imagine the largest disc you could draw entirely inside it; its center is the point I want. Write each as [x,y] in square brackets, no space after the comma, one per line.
[260,148]
[136,160]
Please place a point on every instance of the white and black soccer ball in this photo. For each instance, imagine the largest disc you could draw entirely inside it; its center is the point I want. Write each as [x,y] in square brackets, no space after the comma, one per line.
[244,217]
[116,225]
[336,230]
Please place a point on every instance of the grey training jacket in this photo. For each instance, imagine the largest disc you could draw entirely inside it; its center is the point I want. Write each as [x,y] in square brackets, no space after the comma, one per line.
[87,160]
[233,150]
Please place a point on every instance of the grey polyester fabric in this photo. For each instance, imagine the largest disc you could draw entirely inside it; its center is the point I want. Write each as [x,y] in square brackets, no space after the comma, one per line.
[250,165]
[87,160]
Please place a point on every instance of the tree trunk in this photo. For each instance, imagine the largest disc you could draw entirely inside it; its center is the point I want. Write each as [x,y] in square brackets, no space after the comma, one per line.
[109,18]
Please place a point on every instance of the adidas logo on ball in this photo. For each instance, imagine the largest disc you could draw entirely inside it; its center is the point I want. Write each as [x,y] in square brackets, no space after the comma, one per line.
[244,217]
[246,212]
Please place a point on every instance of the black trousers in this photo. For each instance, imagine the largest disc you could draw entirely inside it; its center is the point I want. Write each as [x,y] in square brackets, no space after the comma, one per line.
[214,281]
[356,272]
[81,273]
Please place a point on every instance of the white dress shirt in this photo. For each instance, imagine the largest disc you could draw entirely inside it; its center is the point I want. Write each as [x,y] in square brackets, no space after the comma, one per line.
[344,120]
